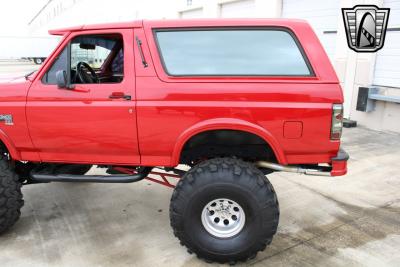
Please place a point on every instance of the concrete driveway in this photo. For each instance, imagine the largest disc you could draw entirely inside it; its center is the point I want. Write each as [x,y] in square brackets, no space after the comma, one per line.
[15,68]
[347,221]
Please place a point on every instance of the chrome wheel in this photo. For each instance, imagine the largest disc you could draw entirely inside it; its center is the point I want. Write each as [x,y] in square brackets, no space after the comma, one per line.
[223,218]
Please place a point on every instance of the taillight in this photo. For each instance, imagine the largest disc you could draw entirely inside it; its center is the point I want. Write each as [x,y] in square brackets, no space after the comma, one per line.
[337,121]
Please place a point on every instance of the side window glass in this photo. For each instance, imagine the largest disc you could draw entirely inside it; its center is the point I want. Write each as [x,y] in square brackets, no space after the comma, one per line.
[59,64]
[117,65]
[94,59]
[93,55]
[97,59]
[243,52]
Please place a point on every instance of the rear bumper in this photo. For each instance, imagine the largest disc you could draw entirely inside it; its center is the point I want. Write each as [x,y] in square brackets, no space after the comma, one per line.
[339,163]
[338,166]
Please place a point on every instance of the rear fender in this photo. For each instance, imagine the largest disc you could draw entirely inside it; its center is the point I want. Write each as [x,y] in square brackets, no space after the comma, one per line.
[227,124]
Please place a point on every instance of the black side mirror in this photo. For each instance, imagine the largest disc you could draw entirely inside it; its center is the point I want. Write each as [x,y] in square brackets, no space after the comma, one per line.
[61,77]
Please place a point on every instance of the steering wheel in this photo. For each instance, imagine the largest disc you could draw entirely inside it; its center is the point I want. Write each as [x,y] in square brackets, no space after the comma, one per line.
[82,68]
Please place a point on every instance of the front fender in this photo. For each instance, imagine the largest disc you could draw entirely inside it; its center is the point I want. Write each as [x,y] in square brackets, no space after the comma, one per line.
[227,124]
[10,146]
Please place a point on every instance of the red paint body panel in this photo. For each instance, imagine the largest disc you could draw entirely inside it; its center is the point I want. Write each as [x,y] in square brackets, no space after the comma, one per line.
[339,168]
[90,126]
[69,126]
[168,106]
[16,137]
[292,129]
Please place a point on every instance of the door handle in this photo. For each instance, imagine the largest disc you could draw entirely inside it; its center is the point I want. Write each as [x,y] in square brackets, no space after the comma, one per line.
[118,95]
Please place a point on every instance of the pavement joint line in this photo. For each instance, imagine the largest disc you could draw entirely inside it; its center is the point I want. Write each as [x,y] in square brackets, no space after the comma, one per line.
[306,241]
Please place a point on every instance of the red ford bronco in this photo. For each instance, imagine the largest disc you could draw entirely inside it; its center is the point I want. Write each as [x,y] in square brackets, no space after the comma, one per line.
[232,99]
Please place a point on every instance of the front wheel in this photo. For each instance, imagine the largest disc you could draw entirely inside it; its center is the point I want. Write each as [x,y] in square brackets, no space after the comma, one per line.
[224,210]
[10,195]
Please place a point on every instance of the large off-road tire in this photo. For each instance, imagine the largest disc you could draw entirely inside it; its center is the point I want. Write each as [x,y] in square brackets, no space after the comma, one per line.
[236,193]
[10,195]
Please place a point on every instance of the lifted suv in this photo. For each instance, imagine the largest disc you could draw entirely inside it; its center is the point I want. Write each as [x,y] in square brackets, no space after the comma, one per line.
[233,99]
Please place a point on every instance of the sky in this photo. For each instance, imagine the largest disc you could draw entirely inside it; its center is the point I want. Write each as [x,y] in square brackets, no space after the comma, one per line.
[16,14]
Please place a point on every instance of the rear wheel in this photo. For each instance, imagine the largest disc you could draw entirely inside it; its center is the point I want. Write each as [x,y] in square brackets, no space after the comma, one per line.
[224,210]
[10,195]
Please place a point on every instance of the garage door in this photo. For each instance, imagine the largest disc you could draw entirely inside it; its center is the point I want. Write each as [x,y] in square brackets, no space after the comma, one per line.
[387,70]
[191,14]
[322,15]
[238,9]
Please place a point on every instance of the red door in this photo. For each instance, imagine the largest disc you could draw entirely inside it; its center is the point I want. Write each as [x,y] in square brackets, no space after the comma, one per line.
[94,122]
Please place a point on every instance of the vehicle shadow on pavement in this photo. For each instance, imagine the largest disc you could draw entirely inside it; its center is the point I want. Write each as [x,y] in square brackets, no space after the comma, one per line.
[71,225]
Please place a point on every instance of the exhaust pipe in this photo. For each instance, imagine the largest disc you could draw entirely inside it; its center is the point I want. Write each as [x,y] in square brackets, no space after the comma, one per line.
[294,169]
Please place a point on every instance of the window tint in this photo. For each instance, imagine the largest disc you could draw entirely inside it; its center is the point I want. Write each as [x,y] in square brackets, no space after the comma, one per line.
[92,50]
[59,64]
[231,52]
[91,53]
[101,60]
[117,65]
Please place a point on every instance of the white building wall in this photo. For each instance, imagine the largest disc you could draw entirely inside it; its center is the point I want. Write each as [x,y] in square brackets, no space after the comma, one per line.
[65,13]
[323,17]
[353,69]
[387,71]
[357,70]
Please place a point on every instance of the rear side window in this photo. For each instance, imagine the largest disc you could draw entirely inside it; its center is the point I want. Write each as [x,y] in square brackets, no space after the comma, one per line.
[231,52]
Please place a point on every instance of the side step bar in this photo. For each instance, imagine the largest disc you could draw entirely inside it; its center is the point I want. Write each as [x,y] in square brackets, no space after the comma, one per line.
[115,178]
